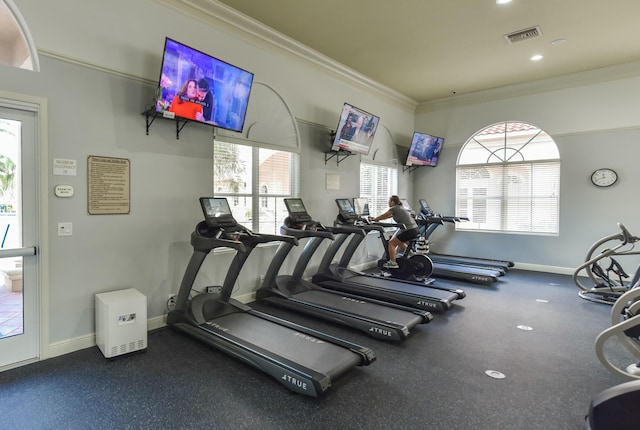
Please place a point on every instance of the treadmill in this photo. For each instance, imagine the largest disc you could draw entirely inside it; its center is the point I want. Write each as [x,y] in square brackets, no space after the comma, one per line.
[445,268]
[304,360]
[382,320]
[342,278]
[430,221]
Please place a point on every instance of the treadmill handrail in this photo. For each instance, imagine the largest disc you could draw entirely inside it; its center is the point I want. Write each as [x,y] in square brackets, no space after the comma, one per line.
[338,229]
[207,243]
[388,224]
[264,238]
[300,234]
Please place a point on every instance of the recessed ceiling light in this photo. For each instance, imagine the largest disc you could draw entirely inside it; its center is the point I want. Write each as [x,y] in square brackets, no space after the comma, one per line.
[558,41]
[536,57]
[503,1]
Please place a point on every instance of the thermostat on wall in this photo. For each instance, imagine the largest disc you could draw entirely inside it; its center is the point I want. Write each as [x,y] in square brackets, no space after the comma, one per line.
[63,191]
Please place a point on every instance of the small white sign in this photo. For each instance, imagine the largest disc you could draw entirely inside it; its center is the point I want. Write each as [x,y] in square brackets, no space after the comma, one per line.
[332,181]
[64,167]
[63,191]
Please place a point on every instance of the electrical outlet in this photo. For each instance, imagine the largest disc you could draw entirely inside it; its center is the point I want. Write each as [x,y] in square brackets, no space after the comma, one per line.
[171,302]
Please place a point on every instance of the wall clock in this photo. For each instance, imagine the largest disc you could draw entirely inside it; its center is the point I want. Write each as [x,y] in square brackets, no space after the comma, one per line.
[604,177]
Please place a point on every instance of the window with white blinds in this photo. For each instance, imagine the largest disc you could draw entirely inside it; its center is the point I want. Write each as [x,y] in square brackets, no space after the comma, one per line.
[377,184]
[255,181]
[508,180]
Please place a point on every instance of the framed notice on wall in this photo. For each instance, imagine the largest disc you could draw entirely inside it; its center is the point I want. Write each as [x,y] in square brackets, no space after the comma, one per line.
[108,185]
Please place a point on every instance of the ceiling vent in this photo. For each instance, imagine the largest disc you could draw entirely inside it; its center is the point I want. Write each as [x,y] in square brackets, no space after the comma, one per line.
[520,35]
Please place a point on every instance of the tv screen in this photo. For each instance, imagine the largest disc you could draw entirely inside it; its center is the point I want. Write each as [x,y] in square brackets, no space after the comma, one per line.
[355,131]
[425,150]
[198,87]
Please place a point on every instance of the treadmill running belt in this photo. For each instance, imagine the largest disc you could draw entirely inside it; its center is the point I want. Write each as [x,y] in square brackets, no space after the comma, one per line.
[290,344]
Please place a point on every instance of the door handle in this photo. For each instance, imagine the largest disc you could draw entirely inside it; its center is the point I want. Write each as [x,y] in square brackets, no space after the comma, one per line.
[18,252]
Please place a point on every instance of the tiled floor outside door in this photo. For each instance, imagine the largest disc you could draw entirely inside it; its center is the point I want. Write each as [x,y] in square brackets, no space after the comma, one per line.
[10,312]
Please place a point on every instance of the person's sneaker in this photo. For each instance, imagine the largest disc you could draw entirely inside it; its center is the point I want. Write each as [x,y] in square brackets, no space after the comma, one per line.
[391,265]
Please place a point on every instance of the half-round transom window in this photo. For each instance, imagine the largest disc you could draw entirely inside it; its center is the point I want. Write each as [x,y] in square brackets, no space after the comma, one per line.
[508,180]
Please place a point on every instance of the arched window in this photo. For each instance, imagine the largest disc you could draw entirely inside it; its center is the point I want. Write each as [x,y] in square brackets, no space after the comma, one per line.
[508,180]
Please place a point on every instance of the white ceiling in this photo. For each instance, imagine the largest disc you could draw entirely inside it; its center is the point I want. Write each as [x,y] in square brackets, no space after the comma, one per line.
[427,49]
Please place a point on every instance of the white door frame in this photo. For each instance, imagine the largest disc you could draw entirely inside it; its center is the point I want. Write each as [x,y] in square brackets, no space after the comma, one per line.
[38,105]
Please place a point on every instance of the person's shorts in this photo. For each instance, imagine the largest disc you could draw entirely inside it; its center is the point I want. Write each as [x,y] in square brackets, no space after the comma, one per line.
[407,235]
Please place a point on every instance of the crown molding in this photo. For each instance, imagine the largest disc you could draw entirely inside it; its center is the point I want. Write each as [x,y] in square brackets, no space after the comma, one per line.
[222,16]
[588,77]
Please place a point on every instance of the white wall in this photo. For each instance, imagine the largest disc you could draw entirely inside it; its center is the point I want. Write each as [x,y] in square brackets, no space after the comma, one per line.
[594,125]
[99,62]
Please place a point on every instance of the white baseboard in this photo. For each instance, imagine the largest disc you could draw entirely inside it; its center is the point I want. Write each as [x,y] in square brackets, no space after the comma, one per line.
[542,268]
[71,345]
[88,341]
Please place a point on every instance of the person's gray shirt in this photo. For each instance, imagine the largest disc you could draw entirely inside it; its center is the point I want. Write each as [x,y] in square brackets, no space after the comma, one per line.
[402,216]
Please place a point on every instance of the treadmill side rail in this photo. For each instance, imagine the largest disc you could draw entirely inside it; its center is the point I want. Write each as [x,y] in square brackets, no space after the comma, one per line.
[367,356]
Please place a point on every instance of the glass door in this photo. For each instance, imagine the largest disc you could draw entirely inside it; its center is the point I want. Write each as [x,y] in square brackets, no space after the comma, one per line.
[19,337]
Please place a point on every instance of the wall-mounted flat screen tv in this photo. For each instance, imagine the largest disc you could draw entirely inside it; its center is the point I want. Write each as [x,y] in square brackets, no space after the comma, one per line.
[425,150]
[355,131]
[198,87]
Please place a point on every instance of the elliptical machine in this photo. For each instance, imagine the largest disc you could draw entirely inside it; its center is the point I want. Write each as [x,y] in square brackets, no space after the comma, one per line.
[616,407]
[608,284]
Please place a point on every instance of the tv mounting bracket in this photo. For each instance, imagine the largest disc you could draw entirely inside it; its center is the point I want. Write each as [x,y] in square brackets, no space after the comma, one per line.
[151,115]
[340,155]
[409,168]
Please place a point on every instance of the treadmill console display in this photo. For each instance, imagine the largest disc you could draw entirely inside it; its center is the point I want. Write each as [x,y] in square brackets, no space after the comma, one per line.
[361,206]
[407,206]
[296,210]
[347,211]
[217,212]
[424,208]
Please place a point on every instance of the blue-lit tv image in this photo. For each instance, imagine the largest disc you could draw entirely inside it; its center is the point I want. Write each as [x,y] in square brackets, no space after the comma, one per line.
[425,150]
[356,130]
[198,87]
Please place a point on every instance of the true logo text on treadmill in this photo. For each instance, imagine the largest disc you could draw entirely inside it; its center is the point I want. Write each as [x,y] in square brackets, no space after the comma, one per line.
[218,326]
[425,303]
[353,300]
[295,382]
[380,331]
[307,337]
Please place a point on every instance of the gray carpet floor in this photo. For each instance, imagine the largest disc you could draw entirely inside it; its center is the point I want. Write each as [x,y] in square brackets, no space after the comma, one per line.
[434,380]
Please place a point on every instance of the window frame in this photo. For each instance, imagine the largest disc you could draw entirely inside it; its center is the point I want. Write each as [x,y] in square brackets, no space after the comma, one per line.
[379,203]
[258,198]
[501,201]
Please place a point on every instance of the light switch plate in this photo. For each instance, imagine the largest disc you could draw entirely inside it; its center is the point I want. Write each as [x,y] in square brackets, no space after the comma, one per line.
[65,229]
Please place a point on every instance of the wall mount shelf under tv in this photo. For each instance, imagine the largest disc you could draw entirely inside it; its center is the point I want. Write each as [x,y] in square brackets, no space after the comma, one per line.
[339,155]
[409,168]
[152,114]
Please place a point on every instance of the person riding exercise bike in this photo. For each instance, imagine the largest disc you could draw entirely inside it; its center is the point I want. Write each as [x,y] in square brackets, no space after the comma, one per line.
[408,229]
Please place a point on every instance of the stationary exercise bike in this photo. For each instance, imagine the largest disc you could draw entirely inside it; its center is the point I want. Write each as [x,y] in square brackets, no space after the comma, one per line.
[616,407]
[609,283]
[414,267]
[413,264]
